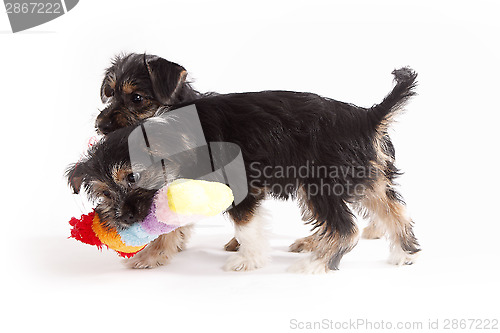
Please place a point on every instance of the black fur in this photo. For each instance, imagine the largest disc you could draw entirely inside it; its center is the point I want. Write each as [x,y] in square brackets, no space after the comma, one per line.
[405,84]
[281,128]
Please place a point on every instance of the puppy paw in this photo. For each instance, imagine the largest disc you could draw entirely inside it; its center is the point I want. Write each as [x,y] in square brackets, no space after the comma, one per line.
[238,262]
[372,232]
[146,260]
[305,244]
[309,266]
[232,245]
[400,257]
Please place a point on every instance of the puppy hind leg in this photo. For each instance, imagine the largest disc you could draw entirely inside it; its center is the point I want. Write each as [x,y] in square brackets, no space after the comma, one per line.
[305,244]
[330,249]
[337,235]
[386,205]
[372,231]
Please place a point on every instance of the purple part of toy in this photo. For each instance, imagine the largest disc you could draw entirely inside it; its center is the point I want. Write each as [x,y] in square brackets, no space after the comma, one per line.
[154,227]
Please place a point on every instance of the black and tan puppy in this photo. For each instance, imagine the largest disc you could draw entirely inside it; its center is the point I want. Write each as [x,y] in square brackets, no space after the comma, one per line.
[136,85]
[325,153]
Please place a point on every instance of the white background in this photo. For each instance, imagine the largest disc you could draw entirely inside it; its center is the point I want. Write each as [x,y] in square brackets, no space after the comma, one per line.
[446,143]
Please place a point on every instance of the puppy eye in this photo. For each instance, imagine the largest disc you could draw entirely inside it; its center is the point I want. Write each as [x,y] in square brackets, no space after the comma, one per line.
[133,178]
[137,98]
[107,194]
[108,92]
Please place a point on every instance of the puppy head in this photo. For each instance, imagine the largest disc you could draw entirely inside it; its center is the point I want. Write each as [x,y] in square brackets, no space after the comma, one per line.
[135,86]
[123,192]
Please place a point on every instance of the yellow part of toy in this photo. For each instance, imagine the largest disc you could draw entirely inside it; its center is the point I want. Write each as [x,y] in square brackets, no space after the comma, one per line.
[111,238]
[198,197]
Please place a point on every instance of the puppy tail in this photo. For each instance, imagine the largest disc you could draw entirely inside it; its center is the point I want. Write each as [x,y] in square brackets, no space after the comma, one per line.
[382,115]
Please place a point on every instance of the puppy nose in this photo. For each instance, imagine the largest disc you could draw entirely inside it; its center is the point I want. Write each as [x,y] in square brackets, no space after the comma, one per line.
[105,127]
[128,215]
[128,218]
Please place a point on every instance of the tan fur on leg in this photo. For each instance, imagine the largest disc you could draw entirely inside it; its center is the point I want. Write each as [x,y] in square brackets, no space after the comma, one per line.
[327,253]
[392,217]
[232,245]
[306,244]
[162,249]
[372,231]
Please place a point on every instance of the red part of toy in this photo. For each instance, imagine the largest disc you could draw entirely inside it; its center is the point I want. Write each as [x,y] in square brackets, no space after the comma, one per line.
[82,231]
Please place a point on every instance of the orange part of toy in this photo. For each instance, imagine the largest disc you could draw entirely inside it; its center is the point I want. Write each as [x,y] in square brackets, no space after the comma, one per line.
[111,238]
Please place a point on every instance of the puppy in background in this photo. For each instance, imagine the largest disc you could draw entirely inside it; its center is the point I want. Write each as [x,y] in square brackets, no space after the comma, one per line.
[136,85]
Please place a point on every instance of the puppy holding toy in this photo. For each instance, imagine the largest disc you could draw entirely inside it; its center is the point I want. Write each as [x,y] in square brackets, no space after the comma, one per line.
[133,88]
[276,131]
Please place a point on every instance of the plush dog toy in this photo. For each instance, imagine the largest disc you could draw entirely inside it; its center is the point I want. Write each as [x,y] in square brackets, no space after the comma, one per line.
[181,202]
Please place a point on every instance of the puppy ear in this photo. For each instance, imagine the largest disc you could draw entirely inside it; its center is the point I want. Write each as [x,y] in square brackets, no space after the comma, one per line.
[75,176]
[108,85]
[167,78]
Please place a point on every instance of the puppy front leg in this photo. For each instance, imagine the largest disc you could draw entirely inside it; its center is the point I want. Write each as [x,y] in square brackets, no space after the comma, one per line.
[250,232]
[162,249]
